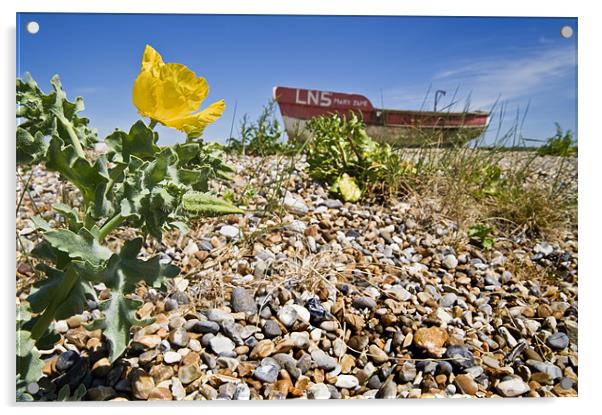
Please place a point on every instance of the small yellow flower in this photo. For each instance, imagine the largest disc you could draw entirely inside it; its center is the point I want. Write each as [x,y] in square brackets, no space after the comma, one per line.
[171,93]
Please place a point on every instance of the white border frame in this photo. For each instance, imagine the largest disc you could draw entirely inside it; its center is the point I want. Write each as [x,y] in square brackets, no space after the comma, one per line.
[589,70]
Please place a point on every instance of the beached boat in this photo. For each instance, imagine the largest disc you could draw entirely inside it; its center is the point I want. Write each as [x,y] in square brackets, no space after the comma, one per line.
[397,127]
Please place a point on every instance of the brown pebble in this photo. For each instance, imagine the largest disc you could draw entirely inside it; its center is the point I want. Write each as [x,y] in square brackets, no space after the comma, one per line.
[74,321]
[191,358]
[161,373]
[142,384]
[160,394]
[466,384]
[262,349]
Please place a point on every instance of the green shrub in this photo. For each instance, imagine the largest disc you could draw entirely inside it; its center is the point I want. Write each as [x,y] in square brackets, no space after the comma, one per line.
[339,151]
[562,144]
[260,138]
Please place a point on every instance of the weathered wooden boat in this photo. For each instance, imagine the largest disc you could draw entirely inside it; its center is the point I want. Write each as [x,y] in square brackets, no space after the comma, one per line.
[403,128]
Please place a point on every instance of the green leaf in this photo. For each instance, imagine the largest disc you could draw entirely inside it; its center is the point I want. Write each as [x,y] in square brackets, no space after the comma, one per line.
[81,245]
[139,142]
[205,204]
[102,207]
[187,152]
[44,291]
[347,188]
[70,215]
[29,364]
[45,251]
[40,224]
[23,314]
[64,160]
[40,112]
[121,274]
[180,226]
[30,148]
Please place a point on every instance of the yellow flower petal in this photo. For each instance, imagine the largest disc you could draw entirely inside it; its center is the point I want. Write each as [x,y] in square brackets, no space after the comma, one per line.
[151,60]
[143,95]
[194,124]
[179,92]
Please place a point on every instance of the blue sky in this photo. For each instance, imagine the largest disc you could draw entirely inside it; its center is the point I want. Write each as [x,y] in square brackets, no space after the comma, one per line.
[520,62]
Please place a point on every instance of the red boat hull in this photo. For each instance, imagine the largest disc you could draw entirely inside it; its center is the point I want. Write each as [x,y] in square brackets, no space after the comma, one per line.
[397,127]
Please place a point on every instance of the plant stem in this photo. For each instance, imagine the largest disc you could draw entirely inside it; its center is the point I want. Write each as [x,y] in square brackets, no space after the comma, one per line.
[110,226]
[152,124]
[74,139]
[109,187]
[25,189]
[47,316]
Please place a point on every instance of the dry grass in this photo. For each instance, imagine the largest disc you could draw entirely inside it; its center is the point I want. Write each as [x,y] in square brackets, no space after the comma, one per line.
[470,186]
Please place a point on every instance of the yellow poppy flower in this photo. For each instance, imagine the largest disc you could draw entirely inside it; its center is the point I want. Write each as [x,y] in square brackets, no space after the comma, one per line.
[171,93]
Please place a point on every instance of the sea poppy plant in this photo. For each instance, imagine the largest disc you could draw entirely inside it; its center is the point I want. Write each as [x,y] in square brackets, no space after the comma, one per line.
[170,93]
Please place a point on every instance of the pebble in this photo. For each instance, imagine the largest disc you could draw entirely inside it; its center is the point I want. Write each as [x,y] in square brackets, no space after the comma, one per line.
[448,300]
[243,301]
[300,339]
[171,357]
[347,381]
[221,344]
[229,231]
[142,384]
[271,329]
[67,360]
[333,203]
[262,349]
[194,345]
[318,391]
[431,339]
[558,341]
[297,226]
[190,373]
[61,326]
[266,373]
[364,302]
[460,355]
[466,384]
[450,261]
[302,313]
[160,394]
[294,205]
[242,392]
[388,390]
[179,337]
[377,354]
[513,386]
[543,248]
[408,372]
[170,305]
[323,360]
[339,347]
[204,327]
[545,367]
[287,315]
[101,393]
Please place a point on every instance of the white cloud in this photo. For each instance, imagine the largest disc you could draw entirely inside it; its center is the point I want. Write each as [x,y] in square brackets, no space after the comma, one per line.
[510,78]
[487,80]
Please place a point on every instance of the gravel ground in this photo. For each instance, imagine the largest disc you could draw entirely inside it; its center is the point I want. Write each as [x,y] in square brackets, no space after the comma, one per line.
[329,300]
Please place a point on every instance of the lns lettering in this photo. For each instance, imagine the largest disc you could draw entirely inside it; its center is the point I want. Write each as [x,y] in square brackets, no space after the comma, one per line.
[319,98]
